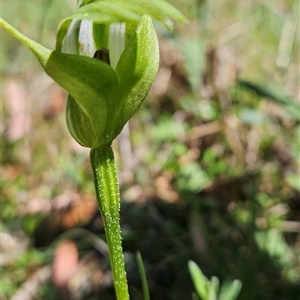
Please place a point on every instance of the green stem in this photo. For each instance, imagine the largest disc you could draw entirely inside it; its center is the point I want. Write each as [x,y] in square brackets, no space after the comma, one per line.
[108,196]
[143,276]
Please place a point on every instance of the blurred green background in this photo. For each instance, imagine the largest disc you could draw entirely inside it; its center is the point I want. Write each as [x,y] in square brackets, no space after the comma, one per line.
[208,167]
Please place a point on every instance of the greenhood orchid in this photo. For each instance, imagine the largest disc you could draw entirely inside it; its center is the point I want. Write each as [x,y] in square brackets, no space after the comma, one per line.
[104,93]
[124,38]
[127,67]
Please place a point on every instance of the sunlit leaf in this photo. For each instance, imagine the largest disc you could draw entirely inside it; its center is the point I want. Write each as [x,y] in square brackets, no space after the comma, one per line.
[230,290]
[294,181]
[199,280]
[213,288]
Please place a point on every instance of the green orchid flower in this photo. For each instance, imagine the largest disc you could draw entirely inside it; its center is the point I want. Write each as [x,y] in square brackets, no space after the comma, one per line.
[104,93]
[127,67]
[125,39]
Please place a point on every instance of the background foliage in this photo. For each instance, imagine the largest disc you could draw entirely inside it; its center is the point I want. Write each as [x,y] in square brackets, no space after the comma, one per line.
[209,166]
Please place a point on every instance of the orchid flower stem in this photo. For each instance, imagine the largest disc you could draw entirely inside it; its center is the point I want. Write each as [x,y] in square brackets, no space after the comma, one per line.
[108,197]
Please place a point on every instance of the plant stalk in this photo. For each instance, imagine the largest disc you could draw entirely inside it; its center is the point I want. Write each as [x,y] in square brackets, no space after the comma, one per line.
[108,197]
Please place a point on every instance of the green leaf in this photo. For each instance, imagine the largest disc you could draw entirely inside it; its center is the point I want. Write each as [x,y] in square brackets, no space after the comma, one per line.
[213,288]
[193,49]
[199,280]
[272,242]
[143,276]
[252,116]
[192,178]
[294,181]
[230,290]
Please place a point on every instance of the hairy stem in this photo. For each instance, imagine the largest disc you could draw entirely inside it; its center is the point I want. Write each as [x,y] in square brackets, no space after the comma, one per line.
[108,196]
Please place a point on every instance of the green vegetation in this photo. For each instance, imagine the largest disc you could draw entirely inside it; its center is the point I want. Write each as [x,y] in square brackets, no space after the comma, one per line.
[209,166]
